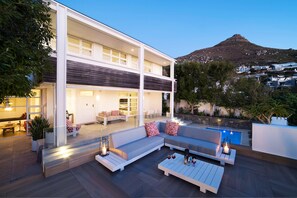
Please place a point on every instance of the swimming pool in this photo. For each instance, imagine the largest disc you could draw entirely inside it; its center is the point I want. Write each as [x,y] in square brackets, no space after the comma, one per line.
[232,137]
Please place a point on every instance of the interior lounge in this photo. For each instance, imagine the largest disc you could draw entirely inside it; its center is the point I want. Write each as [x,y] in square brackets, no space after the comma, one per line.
[16,112]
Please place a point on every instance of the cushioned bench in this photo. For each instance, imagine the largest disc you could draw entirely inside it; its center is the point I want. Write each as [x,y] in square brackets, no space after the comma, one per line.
[133,144]
[196,139]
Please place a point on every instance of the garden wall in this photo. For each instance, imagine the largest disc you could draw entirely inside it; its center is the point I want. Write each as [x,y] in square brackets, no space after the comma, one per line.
[275,139]
[225,122]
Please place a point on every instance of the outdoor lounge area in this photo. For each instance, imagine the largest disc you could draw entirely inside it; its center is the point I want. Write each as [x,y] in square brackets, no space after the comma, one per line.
[86,110]
[249,177]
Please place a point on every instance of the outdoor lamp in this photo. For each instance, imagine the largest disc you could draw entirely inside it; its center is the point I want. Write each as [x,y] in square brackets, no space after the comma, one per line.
[104,149]
[226,148]
[104,146]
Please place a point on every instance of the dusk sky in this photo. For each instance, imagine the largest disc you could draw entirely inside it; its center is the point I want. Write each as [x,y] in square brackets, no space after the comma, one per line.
[178,27]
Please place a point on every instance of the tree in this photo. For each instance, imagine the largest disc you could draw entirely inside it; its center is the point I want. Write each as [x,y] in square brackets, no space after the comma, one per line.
[218,76]
[256,99]
[198,82]
[25,35]
[242,92]
[187,75]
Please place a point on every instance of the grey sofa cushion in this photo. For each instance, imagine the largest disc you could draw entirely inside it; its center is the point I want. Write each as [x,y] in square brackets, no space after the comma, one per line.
[193,144]
[124,137]
[201,134]
[161,126]
[133,149]
[163,135]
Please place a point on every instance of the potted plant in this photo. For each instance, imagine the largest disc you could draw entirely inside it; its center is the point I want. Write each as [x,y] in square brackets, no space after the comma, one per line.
[36,129]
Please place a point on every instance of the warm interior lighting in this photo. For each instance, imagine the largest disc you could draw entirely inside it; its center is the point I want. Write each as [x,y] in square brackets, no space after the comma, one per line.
[86,93]
[7,106]
[132,50]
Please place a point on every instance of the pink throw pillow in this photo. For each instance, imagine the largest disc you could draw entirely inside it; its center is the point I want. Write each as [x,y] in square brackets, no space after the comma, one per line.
[151,129]
[115,113]
[171,128]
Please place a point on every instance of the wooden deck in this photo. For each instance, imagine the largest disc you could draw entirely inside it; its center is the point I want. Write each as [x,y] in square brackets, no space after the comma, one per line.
[249,177]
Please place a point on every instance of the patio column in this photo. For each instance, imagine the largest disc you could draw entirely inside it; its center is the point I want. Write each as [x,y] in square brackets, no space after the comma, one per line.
[60,113]
[141,84]
[172,90]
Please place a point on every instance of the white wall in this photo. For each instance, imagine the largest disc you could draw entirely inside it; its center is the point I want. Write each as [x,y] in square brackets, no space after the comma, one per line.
[85,110]
[71,101]
[157,69]
[107,101]
[275,139]
[152,102]
[205,107]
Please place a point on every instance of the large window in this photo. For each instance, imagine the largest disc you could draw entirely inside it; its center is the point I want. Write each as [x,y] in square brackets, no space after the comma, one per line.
[114,56]
[79,46]
[134,62]
[148,67]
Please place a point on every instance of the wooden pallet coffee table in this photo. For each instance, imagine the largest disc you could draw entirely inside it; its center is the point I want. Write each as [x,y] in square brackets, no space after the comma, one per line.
[205,175]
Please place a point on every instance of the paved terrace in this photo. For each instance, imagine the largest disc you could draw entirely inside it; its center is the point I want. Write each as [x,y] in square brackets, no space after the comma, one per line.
[21,176]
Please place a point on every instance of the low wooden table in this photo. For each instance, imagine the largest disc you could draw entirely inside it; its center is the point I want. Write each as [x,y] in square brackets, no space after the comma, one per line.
[112,161]
[9,128]
[205,175]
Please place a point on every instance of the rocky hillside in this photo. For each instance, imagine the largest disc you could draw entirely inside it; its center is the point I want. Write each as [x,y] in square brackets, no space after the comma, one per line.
[240,51]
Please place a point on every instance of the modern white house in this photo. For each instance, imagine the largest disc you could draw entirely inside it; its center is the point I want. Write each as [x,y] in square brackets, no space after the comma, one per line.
[96,68]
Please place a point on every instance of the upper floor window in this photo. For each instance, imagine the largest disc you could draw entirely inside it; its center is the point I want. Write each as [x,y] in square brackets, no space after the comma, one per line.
[148,67]
[134,62]
[79,46]
[114,56]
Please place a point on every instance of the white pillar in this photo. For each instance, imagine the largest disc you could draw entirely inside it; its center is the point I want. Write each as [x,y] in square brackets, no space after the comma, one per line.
[172,90]
[141,84]
[60,113]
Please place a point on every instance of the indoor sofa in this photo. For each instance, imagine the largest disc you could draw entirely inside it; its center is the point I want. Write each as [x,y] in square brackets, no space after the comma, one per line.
[105,117]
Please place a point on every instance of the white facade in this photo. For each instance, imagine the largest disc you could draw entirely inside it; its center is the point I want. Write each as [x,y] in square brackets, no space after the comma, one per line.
[83,40]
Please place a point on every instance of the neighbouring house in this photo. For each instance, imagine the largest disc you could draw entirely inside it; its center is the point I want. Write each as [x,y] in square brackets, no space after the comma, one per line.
[96,68]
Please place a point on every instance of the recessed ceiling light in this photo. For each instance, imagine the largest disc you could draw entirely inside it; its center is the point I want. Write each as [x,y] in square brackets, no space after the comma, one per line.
[132,49]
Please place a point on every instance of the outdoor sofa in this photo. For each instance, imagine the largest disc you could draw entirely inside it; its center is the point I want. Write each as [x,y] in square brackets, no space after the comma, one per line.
[132,144]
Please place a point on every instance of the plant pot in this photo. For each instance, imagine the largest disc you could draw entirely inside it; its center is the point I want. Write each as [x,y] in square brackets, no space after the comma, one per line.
[34,145]
[49,139]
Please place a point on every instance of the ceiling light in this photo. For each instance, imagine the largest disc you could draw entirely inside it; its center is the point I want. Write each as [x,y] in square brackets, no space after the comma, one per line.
[132,49]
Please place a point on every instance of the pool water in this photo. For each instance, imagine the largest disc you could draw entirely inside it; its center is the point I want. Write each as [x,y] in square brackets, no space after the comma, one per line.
[232,137]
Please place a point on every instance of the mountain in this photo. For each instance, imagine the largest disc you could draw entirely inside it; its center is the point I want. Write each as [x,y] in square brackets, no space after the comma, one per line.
[240,51]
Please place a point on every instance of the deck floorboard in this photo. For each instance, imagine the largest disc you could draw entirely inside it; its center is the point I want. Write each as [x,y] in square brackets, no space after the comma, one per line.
[248,177]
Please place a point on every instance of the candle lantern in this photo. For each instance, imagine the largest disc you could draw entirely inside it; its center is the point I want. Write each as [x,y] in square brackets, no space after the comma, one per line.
[226,149]
[104,146]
